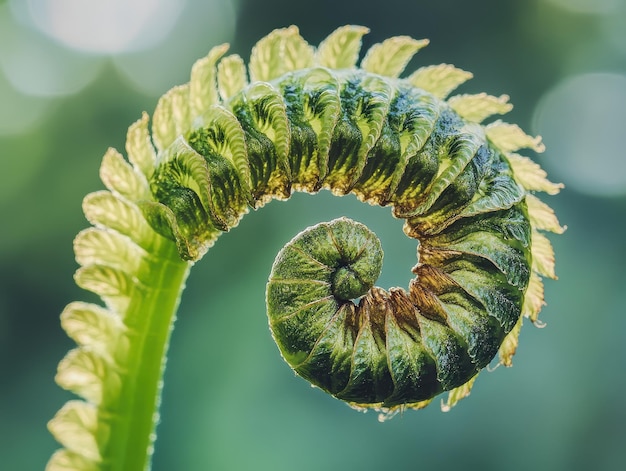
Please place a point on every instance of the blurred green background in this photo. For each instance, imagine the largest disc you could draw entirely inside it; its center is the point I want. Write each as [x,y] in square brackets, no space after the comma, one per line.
[75,74]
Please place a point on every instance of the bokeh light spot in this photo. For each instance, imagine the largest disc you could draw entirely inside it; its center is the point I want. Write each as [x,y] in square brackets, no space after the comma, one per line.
[19,113]
[36,66]
[583,123]
[204,24]
[105,27]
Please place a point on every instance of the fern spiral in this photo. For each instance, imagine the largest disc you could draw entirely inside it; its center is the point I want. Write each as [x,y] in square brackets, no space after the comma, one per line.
[300,118]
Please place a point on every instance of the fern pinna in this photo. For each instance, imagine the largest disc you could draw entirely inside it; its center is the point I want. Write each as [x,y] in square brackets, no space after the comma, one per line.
[301,118]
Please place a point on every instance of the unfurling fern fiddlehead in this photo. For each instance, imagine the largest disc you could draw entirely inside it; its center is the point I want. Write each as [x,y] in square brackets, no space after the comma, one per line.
[309,119]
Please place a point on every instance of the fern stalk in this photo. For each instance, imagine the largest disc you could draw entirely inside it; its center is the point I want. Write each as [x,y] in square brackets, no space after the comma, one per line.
[150,319]
[128,359]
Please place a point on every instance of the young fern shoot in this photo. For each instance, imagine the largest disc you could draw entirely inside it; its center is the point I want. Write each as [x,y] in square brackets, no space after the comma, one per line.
[301,118]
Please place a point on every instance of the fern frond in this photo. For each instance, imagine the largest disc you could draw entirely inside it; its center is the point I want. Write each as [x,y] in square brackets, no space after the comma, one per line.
[302,118]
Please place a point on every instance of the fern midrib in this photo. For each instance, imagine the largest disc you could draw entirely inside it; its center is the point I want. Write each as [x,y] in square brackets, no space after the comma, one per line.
[150,318]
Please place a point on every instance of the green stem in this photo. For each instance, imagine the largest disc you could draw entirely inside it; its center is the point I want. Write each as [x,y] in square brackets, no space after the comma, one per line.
[150,319]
